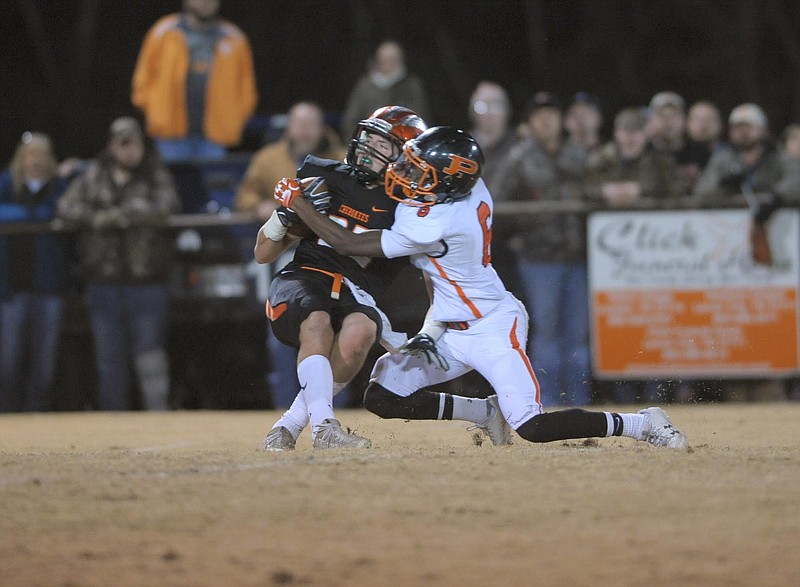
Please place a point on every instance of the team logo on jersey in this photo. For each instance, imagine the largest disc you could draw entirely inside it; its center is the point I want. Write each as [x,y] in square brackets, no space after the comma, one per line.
[460,164]
[423,212]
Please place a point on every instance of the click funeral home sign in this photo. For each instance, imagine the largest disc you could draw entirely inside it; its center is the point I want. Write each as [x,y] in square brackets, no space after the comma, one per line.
[676,294]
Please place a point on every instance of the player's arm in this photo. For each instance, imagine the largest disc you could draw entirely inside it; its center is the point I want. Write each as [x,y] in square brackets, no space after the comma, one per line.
[367,244]
[423,344]
[272,240]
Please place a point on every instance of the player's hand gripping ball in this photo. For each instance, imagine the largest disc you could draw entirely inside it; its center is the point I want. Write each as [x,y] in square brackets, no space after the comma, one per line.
[312,189]
[286,190]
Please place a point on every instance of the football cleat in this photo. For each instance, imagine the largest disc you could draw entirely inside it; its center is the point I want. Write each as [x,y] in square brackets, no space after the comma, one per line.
[330,434]
[278,439]
[662,433]
[495,428]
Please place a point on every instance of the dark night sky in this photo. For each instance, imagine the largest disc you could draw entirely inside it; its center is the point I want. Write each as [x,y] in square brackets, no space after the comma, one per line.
[728,51]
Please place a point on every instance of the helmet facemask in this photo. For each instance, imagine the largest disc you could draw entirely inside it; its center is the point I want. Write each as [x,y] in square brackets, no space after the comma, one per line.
[362,154]
[413,178]
[394,124]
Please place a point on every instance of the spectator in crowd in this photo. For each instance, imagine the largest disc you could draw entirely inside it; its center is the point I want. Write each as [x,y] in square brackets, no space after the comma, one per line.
[791,141]
[551,250]
[123,200]
[386,82]
[33,276]
[306,134]
[667,129]
[751,165]
[704,131]
[666,125]
[194,80]
[583,121]
[627,172]
[490,114]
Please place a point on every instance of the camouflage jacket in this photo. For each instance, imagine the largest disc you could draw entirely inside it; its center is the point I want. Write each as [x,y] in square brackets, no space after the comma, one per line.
[124,237]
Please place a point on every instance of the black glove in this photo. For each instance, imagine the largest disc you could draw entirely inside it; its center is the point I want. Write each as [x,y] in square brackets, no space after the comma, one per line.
[318,195]
[287,217]
[732,178]
[422,345]
[765,205]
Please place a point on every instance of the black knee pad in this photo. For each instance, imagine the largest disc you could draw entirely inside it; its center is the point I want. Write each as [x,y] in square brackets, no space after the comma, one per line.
[421,405]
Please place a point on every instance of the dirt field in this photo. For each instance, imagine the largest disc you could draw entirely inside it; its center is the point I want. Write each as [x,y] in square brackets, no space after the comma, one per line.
[186,498]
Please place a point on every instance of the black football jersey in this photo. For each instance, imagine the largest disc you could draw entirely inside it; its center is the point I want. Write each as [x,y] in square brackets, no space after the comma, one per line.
[357,208]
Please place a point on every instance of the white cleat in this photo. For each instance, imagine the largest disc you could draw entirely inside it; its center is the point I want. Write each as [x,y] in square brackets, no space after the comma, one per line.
[330,434]
[662,433]
[279,439]
[496,428]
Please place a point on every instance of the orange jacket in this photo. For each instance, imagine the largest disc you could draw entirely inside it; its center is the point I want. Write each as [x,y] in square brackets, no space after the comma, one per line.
[159,83]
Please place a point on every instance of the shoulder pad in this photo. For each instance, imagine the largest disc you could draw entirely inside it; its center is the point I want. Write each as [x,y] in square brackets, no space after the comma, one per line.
[316,166]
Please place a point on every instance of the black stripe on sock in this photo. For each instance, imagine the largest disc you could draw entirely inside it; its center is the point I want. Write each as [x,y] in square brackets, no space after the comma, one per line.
[617,424]
[447,414]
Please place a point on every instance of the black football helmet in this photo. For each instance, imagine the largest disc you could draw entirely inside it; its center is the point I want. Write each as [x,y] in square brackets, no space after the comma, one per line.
[441,165]
[396,123]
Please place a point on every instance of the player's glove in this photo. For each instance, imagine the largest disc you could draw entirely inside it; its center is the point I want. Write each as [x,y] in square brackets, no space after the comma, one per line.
[286,190]
[765,206]
[287,217]
[316,192]
[422,345]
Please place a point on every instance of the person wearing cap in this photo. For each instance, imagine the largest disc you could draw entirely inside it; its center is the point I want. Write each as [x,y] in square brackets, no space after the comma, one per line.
[195,82]
[550,249]
[667,129]
[751,172]
[33,275]
[752,162]
[628,172]
[121,203]
[583,121]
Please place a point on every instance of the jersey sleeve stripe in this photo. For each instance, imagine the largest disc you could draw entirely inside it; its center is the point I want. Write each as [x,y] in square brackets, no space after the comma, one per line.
[459,291]
[516,346]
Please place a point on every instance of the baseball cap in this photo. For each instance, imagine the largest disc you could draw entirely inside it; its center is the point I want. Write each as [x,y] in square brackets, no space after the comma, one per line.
[667,99]
[125,128]
[630,119]
[543,100]
[586,98]
[748,113]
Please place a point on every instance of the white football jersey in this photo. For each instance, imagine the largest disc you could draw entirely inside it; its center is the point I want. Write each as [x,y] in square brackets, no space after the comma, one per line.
[451,243]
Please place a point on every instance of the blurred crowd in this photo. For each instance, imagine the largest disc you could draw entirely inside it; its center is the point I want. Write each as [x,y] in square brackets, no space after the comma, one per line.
[194,86]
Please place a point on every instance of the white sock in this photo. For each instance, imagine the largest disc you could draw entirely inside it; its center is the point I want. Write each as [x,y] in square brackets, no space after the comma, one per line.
[471,409]
[316,385]
[634,426]
[295,419]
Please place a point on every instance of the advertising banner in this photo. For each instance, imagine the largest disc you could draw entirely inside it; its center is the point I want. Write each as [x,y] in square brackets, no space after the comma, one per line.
[677,294]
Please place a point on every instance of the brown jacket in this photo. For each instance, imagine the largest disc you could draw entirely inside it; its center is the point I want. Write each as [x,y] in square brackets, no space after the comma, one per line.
[269,165]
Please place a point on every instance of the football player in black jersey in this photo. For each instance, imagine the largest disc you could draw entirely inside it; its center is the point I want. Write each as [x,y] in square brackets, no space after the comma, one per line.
[322,302]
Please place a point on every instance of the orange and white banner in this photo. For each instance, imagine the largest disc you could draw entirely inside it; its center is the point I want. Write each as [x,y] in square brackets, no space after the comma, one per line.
[676,294]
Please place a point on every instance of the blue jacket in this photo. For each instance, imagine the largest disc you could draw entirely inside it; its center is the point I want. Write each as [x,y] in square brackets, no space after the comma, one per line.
[32,262]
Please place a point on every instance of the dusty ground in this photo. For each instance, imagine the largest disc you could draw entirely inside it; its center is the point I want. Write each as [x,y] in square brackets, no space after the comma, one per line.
[187,499]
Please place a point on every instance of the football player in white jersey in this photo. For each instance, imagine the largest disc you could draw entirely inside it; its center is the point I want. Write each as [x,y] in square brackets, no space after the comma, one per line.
[445,225]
